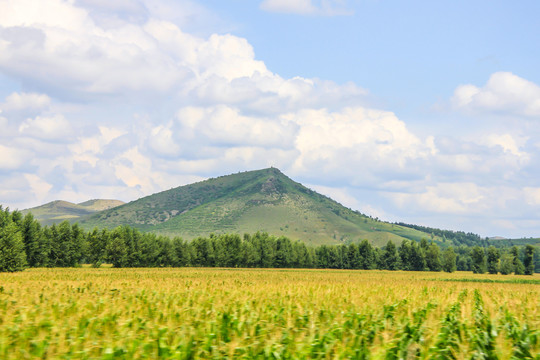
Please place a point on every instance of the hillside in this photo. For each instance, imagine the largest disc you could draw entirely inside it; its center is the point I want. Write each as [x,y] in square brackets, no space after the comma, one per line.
[263,200]
[59,210]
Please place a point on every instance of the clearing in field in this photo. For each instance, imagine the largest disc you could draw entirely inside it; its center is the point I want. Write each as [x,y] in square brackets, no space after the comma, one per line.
[238,313]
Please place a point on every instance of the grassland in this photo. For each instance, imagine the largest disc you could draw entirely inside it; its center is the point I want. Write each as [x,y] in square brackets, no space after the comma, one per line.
[267,314]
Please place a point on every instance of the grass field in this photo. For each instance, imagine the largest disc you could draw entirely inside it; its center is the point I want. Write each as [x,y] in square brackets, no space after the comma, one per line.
[268,314]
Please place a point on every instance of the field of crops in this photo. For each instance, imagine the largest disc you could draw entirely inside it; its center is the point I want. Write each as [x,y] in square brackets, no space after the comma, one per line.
[266,314]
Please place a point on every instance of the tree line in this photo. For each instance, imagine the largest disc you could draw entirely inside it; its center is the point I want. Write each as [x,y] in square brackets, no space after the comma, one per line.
[25,243]
[455,237]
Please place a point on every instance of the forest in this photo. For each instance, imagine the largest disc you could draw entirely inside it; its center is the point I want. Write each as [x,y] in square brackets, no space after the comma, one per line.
[25,243]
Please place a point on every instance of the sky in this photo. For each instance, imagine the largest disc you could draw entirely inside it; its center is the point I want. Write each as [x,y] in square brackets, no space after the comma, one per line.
[424,112]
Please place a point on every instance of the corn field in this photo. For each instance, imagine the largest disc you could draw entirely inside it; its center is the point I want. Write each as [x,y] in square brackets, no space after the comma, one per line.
[199,313]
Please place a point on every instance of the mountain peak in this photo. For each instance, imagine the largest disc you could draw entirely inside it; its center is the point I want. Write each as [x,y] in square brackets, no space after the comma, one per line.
[246,202]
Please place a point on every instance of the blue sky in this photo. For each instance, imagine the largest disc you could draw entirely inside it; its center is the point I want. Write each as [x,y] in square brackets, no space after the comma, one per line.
[425,112]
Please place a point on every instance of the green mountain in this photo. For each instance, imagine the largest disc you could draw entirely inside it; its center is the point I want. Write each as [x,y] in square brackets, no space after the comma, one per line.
[262,200]
[59,210]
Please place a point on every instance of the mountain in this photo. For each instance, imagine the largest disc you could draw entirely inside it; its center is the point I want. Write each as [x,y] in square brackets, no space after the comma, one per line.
[59,210]
[262,200]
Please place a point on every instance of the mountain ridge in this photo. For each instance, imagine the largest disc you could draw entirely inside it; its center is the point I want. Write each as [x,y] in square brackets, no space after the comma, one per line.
[259,200]
[246,202]
[60,210]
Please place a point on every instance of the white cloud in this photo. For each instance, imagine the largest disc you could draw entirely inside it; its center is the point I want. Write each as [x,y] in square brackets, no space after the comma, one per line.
[65,50]
[120,101]
[162,142]
[53,128]
[117,6]
[25,101]
[508,143]
[354,138]
[305,7]
[341,195]
[504,93]
[289,6]
[222,125]
[60,46]
[39,187]
[134,170]
[12,158]
[449,198]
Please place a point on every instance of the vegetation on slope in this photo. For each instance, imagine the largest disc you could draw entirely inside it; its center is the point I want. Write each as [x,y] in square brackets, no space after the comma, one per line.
[59,210]
[263,200]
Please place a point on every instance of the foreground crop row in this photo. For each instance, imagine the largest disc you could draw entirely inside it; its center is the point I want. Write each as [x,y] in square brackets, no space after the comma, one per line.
[267,314]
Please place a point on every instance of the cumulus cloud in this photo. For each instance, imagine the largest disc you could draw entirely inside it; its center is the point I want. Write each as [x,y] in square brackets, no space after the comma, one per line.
[124,8]
[353,138]
[58,45]
[341,195]
[305,7]
[25,101]
[65,50]
[226,126]
[12,158]
[504,93]
[478,202]
[120,101]
[451,198]
[54,128]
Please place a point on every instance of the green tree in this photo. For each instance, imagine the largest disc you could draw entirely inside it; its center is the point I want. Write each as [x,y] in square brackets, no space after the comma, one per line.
[266,247]
[250,256]
[34,242]
[507,264]
[433,258]
[391,256]
[528,261]
[79,248]
[493,256]
[354,258]
[449,260]
[12,255]
[519,268]
[138,252]
[97,246]
[167,255]
[366,254]
[303,256]
[183,252]
[117,250]
[284,253]
[232,247]
[66,244]
[417,257]
[149,249]
[322,255]
[478,258]
[405,254]
[334,258]
[203,252]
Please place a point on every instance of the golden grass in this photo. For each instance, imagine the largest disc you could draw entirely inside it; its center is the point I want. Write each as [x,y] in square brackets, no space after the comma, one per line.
[239,313]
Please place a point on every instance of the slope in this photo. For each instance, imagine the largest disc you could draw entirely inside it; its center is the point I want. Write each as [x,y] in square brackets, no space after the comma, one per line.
[262,200]
[59,210]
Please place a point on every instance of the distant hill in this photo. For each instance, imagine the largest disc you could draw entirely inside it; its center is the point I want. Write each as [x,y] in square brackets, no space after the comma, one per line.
[503,242]
[262,200]
[59,210]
